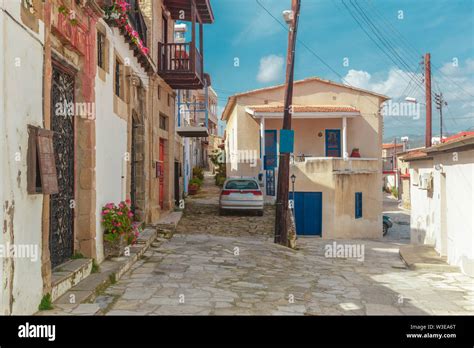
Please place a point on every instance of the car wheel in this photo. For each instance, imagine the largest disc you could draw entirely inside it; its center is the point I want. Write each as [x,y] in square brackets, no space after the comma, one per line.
[385,229]
[260,213]
[221,212]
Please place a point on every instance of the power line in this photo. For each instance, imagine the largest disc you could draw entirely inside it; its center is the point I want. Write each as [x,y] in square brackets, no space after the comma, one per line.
[381,37]
[394,60]
[408,43]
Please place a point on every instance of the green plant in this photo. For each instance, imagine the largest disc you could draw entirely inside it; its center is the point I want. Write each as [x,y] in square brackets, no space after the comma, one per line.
[77,255]
[95,266]
[46,303]
[198,172]
[118,221]
[218,159]
[195,181]
[395,192]
[220,180]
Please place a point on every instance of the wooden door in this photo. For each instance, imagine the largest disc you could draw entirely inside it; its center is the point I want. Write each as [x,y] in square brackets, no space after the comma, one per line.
[161,175]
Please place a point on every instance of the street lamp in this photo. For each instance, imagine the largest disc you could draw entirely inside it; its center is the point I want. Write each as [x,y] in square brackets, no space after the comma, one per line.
[288,16]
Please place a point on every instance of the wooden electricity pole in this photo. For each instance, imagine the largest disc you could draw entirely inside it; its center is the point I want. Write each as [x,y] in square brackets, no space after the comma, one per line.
[428,99]
[281,228]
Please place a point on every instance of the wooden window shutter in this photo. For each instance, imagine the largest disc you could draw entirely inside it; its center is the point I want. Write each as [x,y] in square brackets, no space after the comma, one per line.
[47,163]
[31,160]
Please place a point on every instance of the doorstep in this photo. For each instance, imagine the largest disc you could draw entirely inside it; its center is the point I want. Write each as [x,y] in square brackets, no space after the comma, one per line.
[69,274]
[78,296]
[166,225]
[425,257]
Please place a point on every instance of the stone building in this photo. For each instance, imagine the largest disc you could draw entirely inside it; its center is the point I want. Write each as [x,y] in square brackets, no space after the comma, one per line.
[336,158]
[88,119]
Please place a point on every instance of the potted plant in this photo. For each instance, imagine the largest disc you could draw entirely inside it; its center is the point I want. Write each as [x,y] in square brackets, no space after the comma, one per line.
[355,152]
[119,228]
[193,186]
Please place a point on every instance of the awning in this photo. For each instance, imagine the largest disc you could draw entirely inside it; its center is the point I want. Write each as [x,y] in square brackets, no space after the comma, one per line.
[192,132]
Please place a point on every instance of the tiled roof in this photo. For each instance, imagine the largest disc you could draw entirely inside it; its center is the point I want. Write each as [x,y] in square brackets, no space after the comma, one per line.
[412,155]
[458,136]
[303,108]
[390,145]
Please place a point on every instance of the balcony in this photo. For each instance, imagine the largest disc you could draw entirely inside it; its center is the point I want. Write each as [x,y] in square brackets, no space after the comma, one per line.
[190,128]
[337,166]
[387,164]
[134,17]
[181,65]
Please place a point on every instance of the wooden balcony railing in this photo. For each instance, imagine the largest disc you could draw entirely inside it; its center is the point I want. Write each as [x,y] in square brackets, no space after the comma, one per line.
[181,65]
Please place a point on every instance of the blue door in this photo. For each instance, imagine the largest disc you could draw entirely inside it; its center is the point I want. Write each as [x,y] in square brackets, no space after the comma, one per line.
[308,213]
[333,143]
[270,159]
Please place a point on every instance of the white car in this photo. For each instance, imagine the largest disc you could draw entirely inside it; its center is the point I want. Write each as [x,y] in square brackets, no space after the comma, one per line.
[241,194]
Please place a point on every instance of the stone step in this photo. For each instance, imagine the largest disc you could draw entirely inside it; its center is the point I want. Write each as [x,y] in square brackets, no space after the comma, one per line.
[76,298]
[69,274]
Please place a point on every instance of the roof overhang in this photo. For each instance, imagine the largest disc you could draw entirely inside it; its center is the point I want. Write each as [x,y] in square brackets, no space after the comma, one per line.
[179,7]
[303,115]
[192,132]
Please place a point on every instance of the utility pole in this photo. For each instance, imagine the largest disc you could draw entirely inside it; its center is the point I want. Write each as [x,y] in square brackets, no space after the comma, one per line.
[428,99]
[281,228]
[439,101]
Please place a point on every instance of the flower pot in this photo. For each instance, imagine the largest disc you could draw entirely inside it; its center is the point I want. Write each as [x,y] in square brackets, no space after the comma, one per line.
[193,189]
[115,248]
[355,153]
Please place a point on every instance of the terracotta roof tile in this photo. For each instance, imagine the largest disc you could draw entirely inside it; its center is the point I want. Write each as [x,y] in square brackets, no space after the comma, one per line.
[390,146]
[303,108]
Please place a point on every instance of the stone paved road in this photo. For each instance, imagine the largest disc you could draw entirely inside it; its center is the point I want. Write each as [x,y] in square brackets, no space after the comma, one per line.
[201,274]
[400,230]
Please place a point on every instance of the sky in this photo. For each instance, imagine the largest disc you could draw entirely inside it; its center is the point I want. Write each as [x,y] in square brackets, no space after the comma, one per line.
[245,49]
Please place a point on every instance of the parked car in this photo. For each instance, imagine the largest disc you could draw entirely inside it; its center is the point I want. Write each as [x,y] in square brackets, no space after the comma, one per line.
[387,223]
[241,194]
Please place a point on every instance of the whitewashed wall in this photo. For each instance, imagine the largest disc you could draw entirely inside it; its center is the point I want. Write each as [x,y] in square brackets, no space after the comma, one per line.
[453,207]
[21,86]
[111,137]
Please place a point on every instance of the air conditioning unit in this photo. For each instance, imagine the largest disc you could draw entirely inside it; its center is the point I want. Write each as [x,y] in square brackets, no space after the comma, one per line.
[426,181]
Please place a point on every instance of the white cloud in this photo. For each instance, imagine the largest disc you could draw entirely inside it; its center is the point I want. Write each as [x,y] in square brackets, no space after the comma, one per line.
[455,82]
[271,68]
[394,86]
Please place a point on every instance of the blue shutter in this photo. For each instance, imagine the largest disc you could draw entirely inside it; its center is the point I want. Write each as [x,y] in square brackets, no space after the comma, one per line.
[358,205]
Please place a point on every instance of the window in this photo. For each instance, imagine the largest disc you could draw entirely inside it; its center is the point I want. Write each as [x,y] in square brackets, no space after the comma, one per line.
[169,99]
[119,90]
[242,185]
[163,122]
[358,205]
[41,165]
[159,92]
[101,50]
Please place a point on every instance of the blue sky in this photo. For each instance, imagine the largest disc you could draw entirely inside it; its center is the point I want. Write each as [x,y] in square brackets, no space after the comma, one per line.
[243,30]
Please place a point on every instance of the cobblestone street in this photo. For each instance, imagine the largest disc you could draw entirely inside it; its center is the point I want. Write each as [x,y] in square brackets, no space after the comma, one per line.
[229,265]
[200,274]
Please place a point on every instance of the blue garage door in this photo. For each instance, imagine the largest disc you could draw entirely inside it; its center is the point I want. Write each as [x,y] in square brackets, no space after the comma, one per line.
[308,213]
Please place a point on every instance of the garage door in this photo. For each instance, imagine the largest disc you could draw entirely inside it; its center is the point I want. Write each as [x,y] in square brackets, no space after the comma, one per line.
[308,213]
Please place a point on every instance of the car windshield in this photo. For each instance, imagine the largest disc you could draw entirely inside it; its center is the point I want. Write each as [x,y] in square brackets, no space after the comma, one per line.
[241,185]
